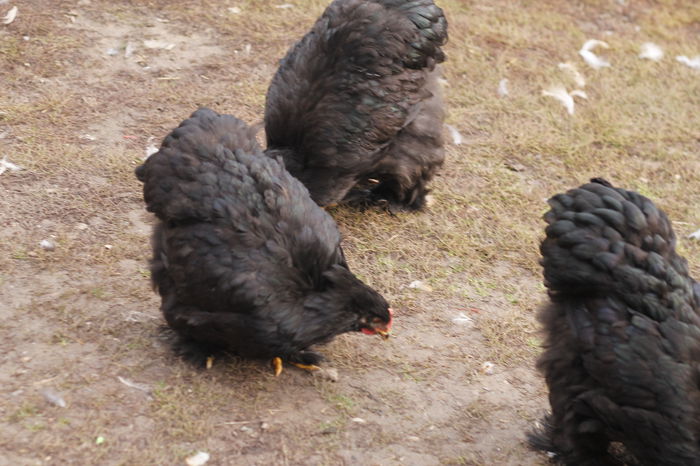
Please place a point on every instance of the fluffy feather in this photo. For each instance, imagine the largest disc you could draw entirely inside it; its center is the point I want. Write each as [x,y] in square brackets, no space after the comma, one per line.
[244,260]
[593,60]
[622,332]
[358,98]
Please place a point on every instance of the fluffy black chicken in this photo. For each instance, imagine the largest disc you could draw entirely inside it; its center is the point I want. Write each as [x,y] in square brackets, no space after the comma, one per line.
[243,259]
[355,109]
[622,354]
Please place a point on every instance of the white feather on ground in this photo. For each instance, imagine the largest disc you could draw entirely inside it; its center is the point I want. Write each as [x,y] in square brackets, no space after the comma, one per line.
[651,51]
[695,235]
[158,44]
[129,49]
[198,459]
[10,16]
[150,148]
[572,71]
[53,398]
[138,386]
[565,97]
[593,60]
[456,137]
[503,87]
[691,62]
[5,165]
[462,319]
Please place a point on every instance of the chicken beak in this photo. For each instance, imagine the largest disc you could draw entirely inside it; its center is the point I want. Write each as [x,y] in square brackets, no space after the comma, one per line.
[383,334]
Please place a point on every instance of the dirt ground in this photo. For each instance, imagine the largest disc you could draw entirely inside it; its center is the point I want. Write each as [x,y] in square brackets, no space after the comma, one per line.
[86,372]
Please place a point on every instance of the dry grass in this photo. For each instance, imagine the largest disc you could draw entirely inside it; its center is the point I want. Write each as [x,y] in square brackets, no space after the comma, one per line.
[82,314]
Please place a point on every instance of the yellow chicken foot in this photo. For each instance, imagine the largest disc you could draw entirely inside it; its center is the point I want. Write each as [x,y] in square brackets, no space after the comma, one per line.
[277,366]
[210,362]
[306,367]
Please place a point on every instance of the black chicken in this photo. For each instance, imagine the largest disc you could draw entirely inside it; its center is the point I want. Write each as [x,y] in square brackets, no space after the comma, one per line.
[243,259]
[355,109]
[622,333]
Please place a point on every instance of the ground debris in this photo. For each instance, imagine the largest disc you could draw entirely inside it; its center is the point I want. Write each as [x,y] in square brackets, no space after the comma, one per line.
[488,368]
[573,72]
[420,285]
[10,16]
[691,62]
[5,165]
[515,166]
[503,87]
[463,319]
[593,60]
[198,459]
[151,148]
[456,137]
[53,398]
[47,245]
[565,97]
[651,51]
[138,386]
[129,49]
[695,235]
[158,44]
[329,373]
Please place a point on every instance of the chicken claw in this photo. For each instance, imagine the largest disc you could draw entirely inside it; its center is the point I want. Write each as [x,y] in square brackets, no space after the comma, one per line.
[277,365]
[306,367]
[210,362]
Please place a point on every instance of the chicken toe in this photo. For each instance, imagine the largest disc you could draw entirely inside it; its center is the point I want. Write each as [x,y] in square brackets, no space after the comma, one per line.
[277,365]
[306,367]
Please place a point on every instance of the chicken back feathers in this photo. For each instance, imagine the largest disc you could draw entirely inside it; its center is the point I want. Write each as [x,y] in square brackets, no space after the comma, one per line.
[358,98]
[244,260]
[622,332]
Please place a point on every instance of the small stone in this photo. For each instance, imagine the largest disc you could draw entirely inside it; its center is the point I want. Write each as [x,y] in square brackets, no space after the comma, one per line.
[515,166]
[419,285]
[198,459]
[488,368]
[47,245]
[330,373]
[54,398]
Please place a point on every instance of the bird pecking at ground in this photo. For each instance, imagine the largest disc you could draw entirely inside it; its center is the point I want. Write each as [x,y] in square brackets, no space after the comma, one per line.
[244,260]
[355,108]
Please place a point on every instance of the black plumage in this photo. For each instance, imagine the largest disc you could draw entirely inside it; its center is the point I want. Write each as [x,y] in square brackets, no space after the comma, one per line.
[244,260]
[355,108]
[622,332]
